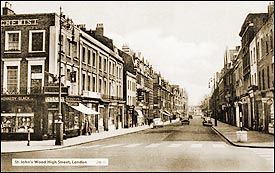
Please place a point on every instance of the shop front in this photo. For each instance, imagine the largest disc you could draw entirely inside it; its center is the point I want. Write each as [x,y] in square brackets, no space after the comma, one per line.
[20,115]
[129,116]
[87,123]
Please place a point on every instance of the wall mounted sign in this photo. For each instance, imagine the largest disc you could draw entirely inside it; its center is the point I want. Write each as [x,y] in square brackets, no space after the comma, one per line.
[19,22]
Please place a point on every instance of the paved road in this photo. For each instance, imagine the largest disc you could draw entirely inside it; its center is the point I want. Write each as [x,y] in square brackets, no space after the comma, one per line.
[171,148]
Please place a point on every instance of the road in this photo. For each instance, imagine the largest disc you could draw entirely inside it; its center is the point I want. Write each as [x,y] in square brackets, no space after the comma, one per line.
[174,148]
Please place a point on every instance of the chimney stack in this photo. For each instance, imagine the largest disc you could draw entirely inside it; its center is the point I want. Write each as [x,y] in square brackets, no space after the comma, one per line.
[125,48]
[82,26]
[7,10]
[99,29]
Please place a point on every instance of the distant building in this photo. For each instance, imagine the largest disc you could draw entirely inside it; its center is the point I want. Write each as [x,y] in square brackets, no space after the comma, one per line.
[129,87]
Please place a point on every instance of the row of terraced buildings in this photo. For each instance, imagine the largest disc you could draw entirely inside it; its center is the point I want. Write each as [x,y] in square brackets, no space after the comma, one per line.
[103,88]
[243,91]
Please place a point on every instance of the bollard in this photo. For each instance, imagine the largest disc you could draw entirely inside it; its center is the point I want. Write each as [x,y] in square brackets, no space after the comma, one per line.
[29,137]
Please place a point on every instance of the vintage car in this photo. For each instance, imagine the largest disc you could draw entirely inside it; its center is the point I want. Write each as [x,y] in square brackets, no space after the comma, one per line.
[157,122]
[184,121]
[207,121]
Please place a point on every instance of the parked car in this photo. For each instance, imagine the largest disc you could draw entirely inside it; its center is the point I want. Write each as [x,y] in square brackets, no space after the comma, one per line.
[157,122]
[207,121]
[185,121]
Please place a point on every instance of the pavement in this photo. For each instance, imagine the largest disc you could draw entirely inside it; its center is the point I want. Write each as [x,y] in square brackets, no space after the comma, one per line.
[21,146]
[254,139]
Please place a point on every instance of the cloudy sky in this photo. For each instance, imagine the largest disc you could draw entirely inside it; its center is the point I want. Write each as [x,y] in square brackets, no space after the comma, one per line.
[184,41]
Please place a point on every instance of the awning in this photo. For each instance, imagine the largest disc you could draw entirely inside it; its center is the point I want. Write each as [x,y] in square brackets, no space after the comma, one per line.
[139,113]
[84,109]
[164,113]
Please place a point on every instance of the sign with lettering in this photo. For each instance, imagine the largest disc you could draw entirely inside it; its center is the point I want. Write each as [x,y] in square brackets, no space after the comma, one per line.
[19,22]
[53,99]
[23,98]
[73,99]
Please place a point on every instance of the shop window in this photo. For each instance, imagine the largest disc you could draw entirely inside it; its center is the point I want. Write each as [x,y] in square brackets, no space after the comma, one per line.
[71,121]
[13,40]
[50,122]
[17,122]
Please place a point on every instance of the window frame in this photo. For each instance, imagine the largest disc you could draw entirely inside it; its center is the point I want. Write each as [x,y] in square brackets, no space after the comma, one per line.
[11,62]
[36,61]
[30,40]
[7,41]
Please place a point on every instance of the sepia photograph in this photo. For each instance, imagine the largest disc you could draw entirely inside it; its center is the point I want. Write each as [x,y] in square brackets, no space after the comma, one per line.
[137,86]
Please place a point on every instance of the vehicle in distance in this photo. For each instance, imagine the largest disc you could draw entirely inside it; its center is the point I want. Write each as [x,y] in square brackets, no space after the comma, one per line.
[207,121]
[157,122]
[185,121]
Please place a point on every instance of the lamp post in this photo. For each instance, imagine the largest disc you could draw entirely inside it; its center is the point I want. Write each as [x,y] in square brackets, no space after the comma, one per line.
[59,123]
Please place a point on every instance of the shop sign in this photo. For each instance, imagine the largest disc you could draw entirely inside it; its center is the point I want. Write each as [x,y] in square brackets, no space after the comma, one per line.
[73,104]
[53,99]
[23,98]
[73,99]
[19,22]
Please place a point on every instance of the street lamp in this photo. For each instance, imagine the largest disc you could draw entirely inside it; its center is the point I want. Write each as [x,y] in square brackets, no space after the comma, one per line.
[68,25]
[59,123]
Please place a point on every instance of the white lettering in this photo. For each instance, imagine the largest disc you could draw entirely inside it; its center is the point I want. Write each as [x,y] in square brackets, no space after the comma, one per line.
[19,22]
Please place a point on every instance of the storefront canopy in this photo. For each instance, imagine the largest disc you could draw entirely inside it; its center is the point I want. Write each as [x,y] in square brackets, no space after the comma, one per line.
[84,109]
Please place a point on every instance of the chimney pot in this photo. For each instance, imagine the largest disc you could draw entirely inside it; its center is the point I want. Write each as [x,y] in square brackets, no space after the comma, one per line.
[7,9]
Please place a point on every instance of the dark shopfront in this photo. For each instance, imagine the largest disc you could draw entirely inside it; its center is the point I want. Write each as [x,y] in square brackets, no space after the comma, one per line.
[129,116]
[71,118]
[38,114]
[20,113]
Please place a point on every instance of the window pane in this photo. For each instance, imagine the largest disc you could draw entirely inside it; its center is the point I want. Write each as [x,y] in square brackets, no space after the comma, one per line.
[89,83]
[83,54]
[94,59]
[36,69]
[94,84]
[36,85]
[89,56]
[83,81]
[37,41]
[12,77]
[13,41]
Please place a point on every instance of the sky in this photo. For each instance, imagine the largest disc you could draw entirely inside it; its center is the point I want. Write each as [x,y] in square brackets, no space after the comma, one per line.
[183,40]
